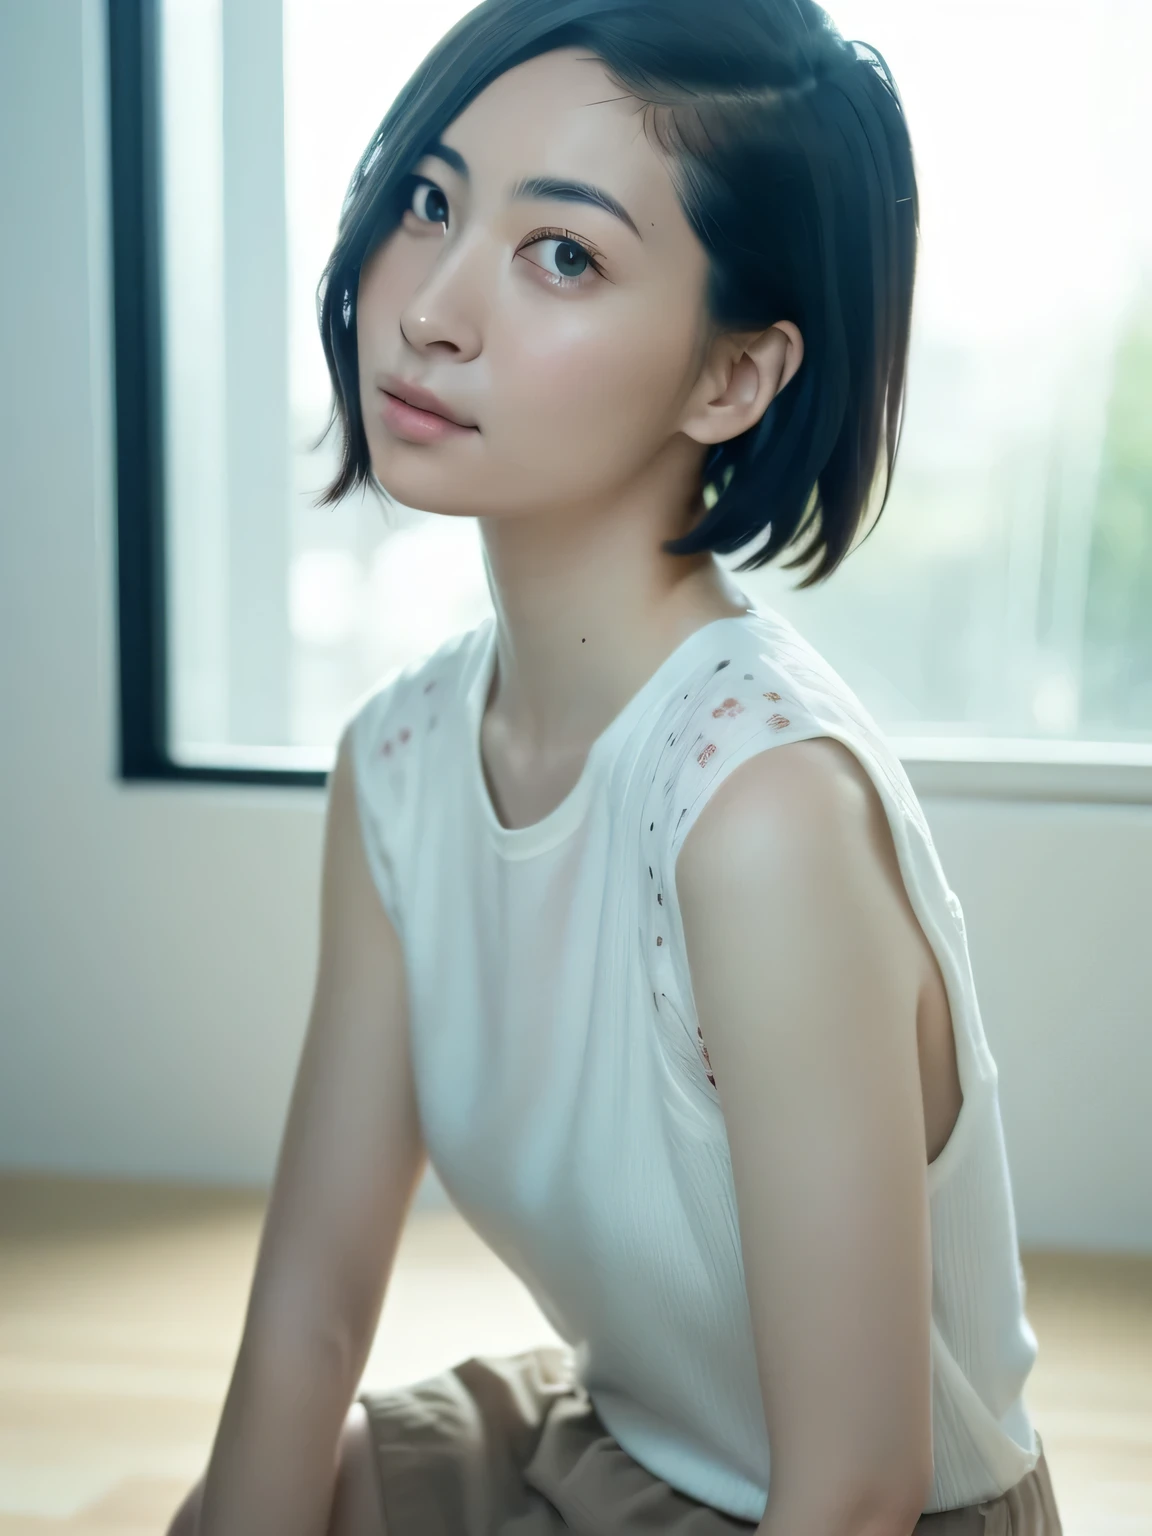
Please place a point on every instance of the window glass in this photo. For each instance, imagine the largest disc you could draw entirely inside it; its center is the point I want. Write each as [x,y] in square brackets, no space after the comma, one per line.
[1004,593]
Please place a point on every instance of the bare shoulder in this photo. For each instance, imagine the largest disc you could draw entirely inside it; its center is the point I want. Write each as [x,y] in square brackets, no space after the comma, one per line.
[795,794]
[802,825]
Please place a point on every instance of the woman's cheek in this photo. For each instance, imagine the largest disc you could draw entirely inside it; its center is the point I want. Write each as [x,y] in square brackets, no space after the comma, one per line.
[560,387]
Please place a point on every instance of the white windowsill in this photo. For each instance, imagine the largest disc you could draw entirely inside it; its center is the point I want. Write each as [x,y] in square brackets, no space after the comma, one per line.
[997,768]
[1006,768]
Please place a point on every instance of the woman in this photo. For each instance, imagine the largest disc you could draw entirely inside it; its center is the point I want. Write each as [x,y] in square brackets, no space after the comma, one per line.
[631,919]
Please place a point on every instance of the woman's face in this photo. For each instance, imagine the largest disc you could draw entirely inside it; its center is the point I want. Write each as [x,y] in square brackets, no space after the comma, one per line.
[574,360]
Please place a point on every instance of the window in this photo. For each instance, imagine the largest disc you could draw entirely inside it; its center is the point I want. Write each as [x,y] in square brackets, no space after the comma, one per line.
[997,622]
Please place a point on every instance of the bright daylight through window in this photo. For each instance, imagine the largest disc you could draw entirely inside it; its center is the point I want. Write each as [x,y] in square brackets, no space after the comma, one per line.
[1003,596]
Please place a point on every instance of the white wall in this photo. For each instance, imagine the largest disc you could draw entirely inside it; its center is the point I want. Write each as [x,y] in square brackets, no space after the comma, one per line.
[157,943]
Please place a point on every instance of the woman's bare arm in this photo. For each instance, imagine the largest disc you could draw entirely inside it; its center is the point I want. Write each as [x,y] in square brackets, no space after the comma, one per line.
[350,1160]
[806,961]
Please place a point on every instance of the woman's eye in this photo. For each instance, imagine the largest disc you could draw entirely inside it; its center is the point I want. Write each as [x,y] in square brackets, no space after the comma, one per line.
[572,259]
[427,202]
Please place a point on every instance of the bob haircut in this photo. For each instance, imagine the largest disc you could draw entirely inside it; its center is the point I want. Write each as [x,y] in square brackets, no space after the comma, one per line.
[790,156]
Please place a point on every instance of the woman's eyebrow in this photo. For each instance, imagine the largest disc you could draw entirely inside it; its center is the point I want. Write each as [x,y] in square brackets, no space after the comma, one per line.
[553,187]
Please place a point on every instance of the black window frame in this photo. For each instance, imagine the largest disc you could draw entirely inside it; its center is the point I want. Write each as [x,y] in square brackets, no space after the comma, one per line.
[138,363]
[134,116]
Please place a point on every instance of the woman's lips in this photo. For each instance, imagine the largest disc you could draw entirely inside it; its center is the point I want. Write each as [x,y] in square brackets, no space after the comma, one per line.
[417,426]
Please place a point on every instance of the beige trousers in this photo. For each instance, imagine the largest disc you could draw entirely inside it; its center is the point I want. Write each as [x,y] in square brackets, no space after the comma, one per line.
[512,1446]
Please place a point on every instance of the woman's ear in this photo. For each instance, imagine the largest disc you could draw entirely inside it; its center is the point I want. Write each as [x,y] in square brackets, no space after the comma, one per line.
[793,349]
[740,379]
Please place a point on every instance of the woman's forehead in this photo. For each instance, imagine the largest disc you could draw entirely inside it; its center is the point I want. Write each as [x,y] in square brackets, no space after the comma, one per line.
[559,118]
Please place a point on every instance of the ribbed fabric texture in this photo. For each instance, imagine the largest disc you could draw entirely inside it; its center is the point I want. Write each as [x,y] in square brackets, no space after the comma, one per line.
[565,1097]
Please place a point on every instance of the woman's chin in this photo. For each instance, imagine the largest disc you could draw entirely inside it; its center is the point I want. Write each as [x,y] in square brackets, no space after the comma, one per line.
[442,493]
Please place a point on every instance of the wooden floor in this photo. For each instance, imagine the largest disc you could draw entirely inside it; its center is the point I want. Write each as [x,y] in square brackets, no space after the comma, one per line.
[121,1308]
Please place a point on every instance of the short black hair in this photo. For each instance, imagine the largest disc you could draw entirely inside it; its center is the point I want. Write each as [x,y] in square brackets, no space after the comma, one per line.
[791,158]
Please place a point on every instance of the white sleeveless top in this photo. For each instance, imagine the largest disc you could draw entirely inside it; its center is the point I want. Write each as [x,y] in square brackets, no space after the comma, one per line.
[565,1098]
